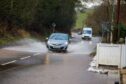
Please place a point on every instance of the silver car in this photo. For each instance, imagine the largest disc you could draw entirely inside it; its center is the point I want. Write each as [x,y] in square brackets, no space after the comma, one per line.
[58,41]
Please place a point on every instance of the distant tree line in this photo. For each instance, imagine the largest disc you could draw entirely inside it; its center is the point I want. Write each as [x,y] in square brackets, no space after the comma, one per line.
[38,15]
[102,18]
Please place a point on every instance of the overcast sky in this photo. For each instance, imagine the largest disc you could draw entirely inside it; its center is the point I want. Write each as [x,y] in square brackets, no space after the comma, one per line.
[91,3]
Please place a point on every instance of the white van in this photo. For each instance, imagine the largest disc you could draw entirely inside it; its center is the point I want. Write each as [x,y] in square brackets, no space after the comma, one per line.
[87,33]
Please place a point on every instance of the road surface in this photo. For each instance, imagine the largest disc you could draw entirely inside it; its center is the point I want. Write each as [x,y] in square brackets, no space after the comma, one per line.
[54,67]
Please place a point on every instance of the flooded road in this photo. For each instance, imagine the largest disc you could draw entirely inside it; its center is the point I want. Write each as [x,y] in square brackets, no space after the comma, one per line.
[57,68]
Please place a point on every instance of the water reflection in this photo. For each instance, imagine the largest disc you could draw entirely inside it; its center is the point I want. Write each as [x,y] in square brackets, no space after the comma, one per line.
[47,60]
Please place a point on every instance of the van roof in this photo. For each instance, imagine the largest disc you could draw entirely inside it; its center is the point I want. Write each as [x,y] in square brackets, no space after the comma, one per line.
[87,28]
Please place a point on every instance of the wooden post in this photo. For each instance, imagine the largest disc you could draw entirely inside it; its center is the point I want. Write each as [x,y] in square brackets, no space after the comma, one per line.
[118,19]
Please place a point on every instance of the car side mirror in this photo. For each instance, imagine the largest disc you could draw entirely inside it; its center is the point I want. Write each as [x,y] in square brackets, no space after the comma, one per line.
[46,38]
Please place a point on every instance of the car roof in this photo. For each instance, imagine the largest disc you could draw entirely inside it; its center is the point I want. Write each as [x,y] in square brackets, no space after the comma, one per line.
[59,34]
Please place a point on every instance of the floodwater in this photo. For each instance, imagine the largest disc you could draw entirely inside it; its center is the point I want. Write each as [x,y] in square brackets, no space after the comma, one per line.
[29,45]
[32,45]
[55,68]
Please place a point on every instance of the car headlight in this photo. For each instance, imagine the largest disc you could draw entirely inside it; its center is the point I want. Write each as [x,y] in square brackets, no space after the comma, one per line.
[66,43]
[48,42]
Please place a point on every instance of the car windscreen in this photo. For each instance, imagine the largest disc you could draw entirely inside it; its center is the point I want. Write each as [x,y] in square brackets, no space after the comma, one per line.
[59,37]
[87,32]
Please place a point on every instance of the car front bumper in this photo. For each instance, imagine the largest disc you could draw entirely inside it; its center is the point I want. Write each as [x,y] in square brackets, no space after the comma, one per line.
[58,48]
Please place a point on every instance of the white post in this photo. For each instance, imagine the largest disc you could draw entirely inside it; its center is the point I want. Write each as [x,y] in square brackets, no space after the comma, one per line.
[97,56]
[112,22]
[54,25]
[125,40]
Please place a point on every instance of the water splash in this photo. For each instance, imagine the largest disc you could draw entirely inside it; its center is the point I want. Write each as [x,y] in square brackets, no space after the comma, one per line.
[28,45]
[84,47]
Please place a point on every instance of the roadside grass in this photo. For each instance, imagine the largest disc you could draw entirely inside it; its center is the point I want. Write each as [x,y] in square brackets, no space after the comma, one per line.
[6,40]
[9,39]
[92,54]
[81,18]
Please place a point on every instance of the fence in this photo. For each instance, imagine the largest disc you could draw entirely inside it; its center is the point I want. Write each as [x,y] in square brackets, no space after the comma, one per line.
[111,54]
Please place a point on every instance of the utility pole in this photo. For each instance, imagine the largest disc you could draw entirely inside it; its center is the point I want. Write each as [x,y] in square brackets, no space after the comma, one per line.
[116,32]
[118,19]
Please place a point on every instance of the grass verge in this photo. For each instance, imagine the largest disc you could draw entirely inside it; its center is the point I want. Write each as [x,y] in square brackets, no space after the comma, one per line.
[81,18]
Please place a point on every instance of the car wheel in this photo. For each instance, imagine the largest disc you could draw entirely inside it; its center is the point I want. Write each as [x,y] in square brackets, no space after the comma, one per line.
[83,38]
[65,50]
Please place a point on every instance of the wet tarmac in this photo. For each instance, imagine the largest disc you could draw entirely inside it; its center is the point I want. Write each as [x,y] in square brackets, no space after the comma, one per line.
[56,68]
